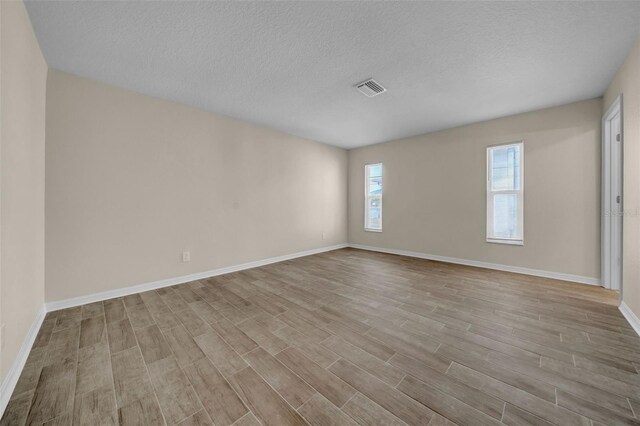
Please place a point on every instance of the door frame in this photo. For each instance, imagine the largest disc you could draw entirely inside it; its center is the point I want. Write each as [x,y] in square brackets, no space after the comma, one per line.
[607,206]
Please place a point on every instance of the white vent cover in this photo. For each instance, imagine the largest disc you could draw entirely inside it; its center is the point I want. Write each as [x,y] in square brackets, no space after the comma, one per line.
[370,88]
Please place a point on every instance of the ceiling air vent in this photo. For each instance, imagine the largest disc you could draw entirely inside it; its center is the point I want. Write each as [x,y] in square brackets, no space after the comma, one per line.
[370,88]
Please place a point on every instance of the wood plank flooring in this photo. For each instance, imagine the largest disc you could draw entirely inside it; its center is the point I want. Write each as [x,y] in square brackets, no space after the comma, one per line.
[342,338]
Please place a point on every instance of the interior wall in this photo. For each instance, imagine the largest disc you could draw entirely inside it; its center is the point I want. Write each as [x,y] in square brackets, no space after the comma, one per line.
[133,181]
[627,83]
[22,102]
[434,198]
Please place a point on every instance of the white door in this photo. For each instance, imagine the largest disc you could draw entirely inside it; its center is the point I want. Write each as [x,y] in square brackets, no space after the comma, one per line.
[612,197]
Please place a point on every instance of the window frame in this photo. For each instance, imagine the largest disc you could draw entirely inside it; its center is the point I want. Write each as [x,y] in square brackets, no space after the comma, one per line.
[367,197]
[491,193]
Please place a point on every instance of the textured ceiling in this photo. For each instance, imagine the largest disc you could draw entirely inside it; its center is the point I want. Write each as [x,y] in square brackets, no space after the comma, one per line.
[291,65]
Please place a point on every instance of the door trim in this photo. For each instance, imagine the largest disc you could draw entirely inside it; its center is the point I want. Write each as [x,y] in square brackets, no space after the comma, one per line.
[614,108]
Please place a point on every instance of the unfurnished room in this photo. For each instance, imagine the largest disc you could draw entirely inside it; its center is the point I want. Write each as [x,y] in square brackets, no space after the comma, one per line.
[319,213]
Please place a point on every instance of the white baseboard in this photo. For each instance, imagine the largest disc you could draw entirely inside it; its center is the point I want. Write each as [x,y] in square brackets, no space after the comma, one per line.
[110,294]
[633,319]
[517,269]
[10,381]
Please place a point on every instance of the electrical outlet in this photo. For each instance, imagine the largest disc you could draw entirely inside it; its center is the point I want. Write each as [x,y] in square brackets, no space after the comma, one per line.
[186,256]
[324,235]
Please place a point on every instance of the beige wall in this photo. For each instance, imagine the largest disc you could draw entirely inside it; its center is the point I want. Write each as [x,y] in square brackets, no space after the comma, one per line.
[627,83]
[22,101]
[435,197]
[132,181]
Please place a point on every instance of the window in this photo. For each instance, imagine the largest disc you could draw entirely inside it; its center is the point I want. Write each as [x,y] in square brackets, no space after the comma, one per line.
[373,197]
[505,194]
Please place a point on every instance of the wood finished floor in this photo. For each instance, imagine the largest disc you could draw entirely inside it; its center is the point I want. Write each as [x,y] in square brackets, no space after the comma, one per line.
[346,337]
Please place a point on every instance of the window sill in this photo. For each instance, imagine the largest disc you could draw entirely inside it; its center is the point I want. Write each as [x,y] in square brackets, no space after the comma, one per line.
[372,230]
[508,242]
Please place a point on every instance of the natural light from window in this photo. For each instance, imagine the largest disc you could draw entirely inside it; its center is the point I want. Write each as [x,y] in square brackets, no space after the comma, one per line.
[373,197]
[505,194]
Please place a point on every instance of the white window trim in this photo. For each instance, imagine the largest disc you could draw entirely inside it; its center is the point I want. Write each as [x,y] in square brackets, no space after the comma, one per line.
[366,196]
[520,193]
